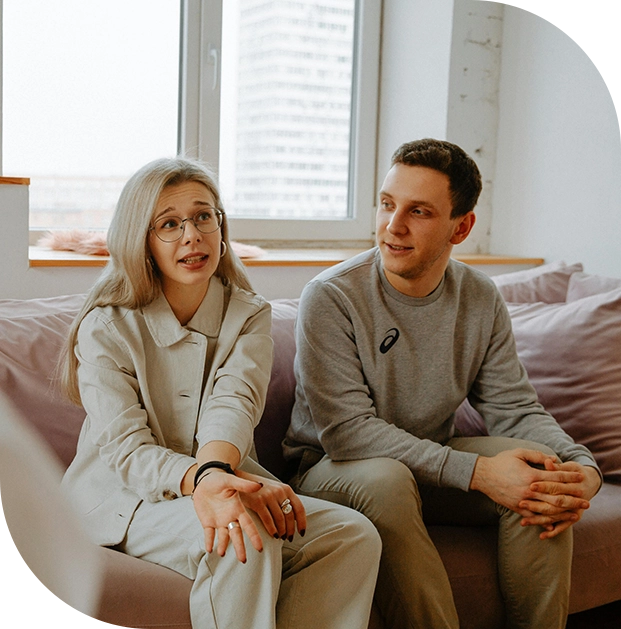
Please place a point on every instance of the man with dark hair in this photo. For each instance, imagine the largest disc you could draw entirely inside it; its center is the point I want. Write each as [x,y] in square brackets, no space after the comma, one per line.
[389,344]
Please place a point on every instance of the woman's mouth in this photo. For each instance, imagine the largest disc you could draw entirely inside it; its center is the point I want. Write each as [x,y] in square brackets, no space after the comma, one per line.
[195,259]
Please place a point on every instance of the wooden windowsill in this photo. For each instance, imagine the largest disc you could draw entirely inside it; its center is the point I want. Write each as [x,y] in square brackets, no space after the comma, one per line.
[43,257]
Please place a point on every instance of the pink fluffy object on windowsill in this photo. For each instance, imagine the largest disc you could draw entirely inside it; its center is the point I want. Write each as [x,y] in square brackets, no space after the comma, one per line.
[94,244]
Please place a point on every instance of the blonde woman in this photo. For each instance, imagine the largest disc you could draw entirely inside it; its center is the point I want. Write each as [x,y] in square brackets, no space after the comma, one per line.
[171,357]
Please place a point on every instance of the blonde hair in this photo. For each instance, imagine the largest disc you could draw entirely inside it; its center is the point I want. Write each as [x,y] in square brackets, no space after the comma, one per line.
[130,279]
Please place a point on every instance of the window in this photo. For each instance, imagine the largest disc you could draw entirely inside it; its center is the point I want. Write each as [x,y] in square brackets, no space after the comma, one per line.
[90,94]
[278,96]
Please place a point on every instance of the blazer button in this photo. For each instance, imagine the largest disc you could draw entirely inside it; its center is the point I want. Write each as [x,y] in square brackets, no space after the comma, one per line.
[169,495]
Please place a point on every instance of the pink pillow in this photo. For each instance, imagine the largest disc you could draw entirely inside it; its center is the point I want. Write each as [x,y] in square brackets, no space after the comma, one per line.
[547,283]
[572,353]
[584,285]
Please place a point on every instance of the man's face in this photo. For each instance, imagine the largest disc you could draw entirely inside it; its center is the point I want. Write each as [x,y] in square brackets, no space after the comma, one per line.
[415,231]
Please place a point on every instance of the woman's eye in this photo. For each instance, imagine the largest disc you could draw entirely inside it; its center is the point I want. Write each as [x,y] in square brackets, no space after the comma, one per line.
[170,223]
[204,217]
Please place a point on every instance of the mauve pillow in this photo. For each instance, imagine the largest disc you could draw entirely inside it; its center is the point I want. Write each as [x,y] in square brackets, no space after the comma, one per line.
[572,353]
[547,283]
[584,285]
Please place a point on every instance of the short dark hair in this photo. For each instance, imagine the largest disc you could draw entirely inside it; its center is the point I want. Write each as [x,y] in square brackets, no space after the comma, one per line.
[464,175]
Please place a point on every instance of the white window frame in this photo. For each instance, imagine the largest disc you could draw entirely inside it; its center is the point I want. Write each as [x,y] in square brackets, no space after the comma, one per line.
[199,123]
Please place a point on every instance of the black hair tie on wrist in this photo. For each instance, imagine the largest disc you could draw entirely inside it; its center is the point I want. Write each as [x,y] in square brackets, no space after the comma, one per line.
[221,465]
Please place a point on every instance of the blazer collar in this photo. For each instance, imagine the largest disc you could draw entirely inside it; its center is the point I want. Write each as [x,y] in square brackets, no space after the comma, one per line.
[165,327]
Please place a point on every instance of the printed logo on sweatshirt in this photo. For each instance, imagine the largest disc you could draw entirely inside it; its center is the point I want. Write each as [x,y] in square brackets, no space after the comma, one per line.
[391,338]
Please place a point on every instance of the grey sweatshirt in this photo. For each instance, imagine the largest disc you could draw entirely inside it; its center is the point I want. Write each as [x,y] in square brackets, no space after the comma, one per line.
[380,374]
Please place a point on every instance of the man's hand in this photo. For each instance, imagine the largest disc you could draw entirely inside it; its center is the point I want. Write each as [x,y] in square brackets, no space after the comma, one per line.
[508,478]
[551,502]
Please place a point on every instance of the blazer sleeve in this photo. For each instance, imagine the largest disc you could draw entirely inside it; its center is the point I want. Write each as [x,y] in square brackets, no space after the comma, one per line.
[235,394]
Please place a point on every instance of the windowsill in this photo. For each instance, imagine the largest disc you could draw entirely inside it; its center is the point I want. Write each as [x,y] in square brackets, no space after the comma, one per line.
[42,257]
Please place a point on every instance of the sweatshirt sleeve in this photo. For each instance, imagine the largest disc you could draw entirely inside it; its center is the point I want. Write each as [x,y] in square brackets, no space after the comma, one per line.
[508,402]
[334,404]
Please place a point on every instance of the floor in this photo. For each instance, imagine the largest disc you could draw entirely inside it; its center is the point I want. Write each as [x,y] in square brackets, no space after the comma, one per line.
[605,617]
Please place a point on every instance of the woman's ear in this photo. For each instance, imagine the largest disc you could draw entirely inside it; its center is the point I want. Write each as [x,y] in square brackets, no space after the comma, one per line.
[463,228]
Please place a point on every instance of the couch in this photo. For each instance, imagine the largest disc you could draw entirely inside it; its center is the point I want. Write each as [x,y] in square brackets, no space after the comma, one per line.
[567,326]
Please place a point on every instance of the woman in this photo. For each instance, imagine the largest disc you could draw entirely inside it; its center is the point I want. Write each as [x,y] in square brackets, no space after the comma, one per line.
[171,358]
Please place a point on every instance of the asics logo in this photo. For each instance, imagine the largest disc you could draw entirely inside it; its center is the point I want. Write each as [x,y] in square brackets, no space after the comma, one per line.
[391,338]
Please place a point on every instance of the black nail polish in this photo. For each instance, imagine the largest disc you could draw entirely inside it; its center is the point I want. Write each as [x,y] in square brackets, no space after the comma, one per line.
[276,536]
[290,538]
[283,537]
[303,533]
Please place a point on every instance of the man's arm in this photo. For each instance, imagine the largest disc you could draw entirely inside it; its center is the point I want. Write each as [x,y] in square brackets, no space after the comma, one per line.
[338,413]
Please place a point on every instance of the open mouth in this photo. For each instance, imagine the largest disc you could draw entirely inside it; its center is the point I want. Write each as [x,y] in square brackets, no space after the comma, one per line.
[193,259]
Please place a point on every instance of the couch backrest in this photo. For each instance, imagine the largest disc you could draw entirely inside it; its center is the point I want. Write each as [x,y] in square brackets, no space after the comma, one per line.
[32,333]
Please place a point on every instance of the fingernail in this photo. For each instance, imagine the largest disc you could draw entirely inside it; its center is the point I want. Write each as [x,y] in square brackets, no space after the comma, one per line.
[276,536]
[283,537]
[290,538]
[303,533]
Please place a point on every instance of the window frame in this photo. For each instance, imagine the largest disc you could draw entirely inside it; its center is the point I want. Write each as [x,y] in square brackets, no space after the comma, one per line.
[199,123]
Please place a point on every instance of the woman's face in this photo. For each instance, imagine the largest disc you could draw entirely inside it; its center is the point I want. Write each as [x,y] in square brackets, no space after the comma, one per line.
[187,264]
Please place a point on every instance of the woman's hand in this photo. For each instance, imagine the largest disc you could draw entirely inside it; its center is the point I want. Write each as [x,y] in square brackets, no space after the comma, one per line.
[218,503]
[277,505]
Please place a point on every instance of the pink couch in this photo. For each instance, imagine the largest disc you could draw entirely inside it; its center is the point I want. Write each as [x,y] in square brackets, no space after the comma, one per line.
[568,329]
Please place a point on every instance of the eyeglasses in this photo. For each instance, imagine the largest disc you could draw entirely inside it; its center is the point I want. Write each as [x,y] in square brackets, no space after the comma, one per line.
[171,228]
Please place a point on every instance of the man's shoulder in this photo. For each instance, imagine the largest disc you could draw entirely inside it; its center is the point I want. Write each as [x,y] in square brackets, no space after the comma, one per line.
[470,281]
[355,269]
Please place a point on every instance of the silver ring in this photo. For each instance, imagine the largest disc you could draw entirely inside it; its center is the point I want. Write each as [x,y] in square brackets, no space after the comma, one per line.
[286,506]
[233,525]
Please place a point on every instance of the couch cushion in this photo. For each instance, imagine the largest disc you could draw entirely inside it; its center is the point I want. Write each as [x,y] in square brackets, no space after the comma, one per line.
[547,283]
[271,430]
[572,353]
[32,333]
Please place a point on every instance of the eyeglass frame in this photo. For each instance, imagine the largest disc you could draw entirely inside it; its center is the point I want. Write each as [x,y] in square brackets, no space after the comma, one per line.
[219,212]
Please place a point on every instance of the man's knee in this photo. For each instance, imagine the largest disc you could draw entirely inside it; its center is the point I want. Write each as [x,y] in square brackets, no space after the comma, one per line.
[381,486]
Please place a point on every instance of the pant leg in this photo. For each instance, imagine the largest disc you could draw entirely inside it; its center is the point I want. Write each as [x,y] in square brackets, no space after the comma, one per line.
[413,590]
[534,574]
[324,579]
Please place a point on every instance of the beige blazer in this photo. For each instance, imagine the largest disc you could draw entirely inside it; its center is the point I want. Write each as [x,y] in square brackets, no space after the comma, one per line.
[155,392]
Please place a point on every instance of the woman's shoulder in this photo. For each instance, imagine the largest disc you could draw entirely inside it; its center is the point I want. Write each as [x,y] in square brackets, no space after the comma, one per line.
[104,316]
[248,298]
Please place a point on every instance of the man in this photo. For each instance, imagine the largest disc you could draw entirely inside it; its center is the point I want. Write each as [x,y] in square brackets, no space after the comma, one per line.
[389,344]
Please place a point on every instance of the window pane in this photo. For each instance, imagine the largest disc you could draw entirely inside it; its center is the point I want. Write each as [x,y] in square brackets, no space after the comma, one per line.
[286,107]
[90,95]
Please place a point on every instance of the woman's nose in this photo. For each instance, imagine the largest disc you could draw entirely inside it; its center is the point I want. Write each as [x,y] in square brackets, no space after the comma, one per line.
[190,231]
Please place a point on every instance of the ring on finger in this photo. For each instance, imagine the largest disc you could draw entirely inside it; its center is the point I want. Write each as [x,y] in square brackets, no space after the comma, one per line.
[232,525]
[286,507]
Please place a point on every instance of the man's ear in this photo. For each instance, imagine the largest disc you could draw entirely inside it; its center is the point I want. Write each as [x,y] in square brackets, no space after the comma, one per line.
[463,228]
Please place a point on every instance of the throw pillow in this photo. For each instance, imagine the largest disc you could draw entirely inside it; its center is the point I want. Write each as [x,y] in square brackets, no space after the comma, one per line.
[584,285]
[547,283]
[572,353]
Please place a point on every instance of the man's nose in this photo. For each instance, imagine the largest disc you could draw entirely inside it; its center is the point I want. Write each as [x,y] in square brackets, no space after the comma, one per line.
[396,224]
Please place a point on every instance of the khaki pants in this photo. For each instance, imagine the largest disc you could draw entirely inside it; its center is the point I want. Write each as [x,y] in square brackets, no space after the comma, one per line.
[413,588]
[325,579]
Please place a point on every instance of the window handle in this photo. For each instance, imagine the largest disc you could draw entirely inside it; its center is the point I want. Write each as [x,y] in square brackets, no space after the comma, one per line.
[213,61]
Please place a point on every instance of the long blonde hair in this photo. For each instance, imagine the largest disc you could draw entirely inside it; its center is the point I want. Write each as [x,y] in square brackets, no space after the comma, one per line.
[130,279]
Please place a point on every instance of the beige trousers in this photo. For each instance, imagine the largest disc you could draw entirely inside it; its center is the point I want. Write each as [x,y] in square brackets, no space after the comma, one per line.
[325,579]
[413,589]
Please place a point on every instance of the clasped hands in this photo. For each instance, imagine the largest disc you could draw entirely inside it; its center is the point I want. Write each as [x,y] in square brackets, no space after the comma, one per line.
[222,498]
[552,495]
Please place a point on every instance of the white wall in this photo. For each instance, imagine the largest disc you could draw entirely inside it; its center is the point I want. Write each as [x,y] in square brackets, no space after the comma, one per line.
[557,191]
